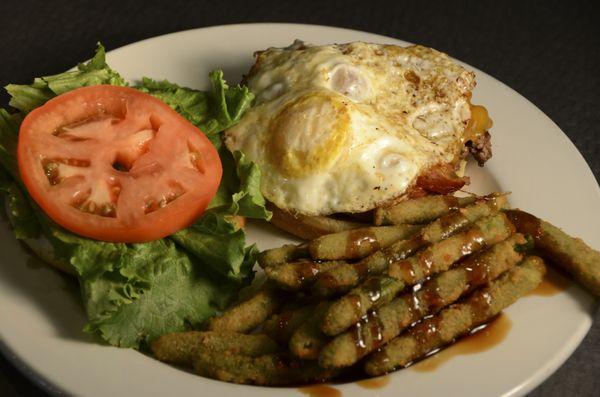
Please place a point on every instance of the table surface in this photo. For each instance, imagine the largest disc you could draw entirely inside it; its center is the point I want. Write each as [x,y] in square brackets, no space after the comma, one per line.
[548,52]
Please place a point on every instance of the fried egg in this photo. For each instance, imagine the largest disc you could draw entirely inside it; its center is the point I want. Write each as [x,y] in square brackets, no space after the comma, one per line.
[347,127]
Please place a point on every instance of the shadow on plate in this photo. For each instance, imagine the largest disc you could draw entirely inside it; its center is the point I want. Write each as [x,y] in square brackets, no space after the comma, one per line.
[55,294]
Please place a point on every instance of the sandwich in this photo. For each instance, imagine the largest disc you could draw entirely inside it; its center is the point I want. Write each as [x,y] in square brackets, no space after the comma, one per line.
[340,130]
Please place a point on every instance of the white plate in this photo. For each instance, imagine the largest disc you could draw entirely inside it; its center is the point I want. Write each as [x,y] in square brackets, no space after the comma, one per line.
[41,317]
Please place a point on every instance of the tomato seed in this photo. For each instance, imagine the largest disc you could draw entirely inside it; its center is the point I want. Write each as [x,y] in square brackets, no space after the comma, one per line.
[51,172]
[108,210]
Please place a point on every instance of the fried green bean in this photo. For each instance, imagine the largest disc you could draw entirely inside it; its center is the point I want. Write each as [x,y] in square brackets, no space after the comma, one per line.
[249,314]
[420,210]
[440,256]
[348,275]
[182,347]
[349,309]
[457,319]
[267,370]
[294,276]
[281,326]
[283,254]
[306,342]
[571,254]
[358,243]
[389,320]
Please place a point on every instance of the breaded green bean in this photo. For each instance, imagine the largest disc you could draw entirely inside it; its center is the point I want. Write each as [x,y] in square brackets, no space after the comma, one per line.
[306,342]
[572,254]
[346,276]
[281,326]
[249,314]
[267,370]
[376,291]
[420,210]
[294,276]
[283,254]
[182,347]
[358,243]
[457,220]
[440,256]
[389,320]
[458,319]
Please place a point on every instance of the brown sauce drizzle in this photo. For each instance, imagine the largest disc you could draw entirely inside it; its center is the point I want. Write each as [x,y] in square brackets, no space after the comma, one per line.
[367,334]
[372,286]
[552,284]
[361,241]
[306,270]
[327,280]
[473,241]
[479,340]
[428,330]
[361,268]
[452,222]
[374,383]
[525,223]
[320,391]
[407,273]
[430,298]
[478,271]
[414,304]
[451,202]
[394,254]
[376,328]
[425,260]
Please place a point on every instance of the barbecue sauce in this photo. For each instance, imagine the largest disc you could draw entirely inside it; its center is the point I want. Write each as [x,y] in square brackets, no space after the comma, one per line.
[360,241]
[479,340]
[320,391]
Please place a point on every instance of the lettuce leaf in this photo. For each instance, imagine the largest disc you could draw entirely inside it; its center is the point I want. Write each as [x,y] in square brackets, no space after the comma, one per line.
[27,97]
[220,245]
[135,292]
[212,111]
[239,191]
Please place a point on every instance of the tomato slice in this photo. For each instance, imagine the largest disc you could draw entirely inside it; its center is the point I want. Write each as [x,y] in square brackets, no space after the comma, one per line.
[115,164]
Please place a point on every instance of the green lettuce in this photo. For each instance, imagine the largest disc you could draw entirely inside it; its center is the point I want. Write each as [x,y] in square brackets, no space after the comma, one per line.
[133,293]
[212,111]
[27,97]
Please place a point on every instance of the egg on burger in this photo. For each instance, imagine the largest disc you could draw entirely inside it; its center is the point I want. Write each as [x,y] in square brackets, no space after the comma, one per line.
[346,128]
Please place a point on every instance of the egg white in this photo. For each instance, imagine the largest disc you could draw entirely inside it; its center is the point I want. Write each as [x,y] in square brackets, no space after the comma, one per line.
[344,128]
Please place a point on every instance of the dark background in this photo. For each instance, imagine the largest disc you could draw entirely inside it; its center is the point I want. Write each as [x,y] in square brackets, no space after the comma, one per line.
[548,51]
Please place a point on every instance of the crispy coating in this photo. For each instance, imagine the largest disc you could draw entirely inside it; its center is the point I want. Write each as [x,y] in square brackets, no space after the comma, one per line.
[182,347]
[389,320]
[440,256]
[458,319]
[376,291]
[281,326]
[294,276]
[358,243]
[420,210]
[267,370]
[306,342]
[249,314]
[281,255]
[346,276]
[571,254]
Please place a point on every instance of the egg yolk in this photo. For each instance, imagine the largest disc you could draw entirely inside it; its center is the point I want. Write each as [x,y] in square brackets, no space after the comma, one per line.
[308,135]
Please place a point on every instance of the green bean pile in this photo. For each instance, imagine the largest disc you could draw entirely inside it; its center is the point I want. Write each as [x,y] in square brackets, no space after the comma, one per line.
[381,297]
